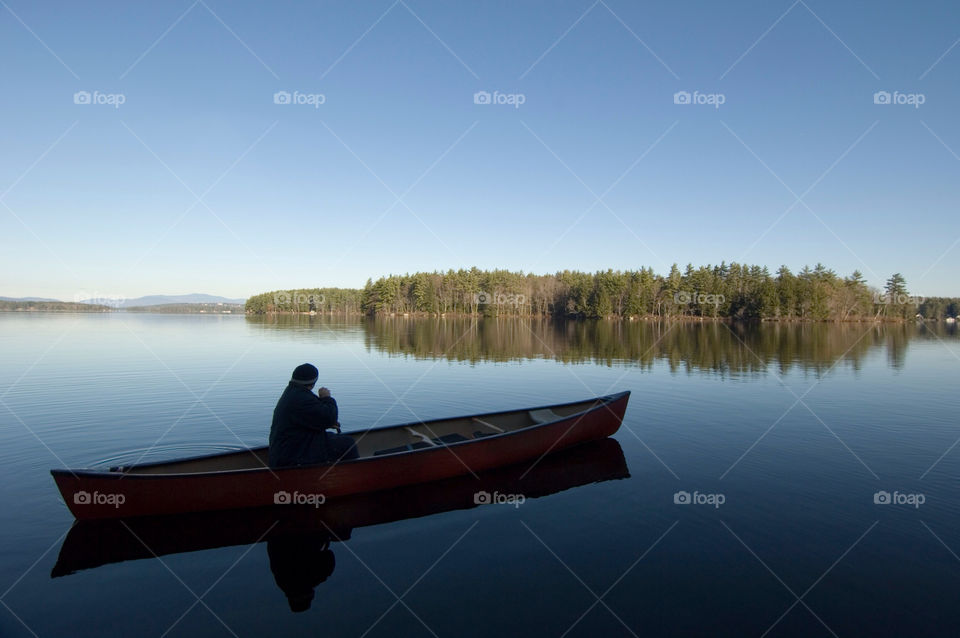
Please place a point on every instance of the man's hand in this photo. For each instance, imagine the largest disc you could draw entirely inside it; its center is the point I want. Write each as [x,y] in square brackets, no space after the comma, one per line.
[323,393]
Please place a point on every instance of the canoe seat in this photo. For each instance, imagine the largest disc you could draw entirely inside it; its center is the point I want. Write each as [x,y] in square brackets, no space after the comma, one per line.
[392,450]
[419,445]
[423,438]
[487,424]
[545,415]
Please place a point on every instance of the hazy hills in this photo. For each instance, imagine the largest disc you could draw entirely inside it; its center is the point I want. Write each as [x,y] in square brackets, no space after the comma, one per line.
[159,300]
[148,300]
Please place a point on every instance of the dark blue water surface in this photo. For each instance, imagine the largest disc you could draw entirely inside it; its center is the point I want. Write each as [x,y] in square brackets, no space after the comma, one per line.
[785,433]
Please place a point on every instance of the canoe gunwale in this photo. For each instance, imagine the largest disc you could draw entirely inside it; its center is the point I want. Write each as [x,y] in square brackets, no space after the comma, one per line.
[604,402]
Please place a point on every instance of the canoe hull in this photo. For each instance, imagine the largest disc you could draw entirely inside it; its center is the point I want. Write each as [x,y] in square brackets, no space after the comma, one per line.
[90,494]
[91,543]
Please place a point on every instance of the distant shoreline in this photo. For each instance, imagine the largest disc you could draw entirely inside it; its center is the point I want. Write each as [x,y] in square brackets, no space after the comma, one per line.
[51,306]
[189,308]
[612,318]
[82,308]
[87,310]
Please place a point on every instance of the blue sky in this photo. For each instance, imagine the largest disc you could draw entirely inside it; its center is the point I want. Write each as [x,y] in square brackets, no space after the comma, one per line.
[200,182]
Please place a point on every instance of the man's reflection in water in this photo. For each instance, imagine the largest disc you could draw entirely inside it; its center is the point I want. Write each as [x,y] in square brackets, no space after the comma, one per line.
[300,563]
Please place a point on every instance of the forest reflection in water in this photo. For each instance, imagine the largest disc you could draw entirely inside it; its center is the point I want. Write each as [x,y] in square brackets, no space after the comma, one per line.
[683,345]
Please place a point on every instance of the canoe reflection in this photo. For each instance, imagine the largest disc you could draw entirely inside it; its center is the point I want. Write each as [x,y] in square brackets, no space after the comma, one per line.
[298,537]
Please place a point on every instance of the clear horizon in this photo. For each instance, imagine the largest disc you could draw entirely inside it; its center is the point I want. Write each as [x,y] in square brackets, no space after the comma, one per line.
[235,148]
[95,295]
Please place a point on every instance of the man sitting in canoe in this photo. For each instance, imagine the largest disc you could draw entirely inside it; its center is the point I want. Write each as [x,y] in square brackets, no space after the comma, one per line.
[298,435]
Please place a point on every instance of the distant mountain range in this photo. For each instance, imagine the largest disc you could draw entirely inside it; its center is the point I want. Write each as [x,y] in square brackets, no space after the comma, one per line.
[149,300]
[157,300]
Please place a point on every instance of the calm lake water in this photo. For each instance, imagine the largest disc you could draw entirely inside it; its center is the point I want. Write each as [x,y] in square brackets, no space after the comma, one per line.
[785,434]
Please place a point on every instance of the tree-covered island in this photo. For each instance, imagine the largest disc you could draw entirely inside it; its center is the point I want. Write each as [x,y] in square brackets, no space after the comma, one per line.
[728,291]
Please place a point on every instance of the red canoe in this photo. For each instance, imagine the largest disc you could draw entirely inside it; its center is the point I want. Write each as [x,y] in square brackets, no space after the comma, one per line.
[92,543]
[390,457]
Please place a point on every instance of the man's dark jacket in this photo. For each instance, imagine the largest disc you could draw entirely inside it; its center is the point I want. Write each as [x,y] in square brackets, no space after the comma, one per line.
[297,436]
